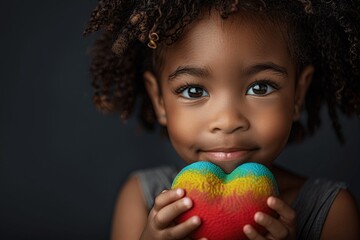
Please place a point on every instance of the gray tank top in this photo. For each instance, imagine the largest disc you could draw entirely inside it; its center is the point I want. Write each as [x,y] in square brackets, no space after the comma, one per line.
[312,204]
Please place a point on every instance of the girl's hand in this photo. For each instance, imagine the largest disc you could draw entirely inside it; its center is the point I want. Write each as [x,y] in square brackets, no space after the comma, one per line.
[282,227]
[168,206]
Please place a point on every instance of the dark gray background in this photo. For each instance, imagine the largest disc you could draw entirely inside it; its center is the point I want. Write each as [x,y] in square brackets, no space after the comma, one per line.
[62,162]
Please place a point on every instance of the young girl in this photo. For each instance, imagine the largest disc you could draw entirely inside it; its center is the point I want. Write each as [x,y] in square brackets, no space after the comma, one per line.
[228,80]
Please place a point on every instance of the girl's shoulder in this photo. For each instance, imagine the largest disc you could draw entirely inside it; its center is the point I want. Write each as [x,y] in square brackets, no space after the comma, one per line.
[129,208]
[136,198]
[343,219]
[323,207]
[317,189]
[153,181]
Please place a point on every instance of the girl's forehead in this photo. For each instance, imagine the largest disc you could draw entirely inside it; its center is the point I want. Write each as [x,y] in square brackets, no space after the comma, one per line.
[250,24]
[211,27]
[241,37]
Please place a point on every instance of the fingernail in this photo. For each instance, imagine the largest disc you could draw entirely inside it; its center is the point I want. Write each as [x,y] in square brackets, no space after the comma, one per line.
[247,229]
[271,201]
[258,217]
[179,192]
[196,220]
[187,202]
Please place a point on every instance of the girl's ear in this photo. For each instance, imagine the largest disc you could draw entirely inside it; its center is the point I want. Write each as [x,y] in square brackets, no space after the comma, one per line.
[302,86]
[153,89]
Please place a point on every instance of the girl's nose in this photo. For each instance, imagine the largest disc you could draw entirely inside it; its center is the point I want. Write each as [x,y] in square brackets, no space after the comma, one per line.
[228,118]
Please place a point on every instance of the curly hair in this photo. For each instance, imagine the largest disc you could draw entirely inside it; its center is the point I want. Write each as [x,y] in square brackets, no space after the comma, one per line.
[324,33]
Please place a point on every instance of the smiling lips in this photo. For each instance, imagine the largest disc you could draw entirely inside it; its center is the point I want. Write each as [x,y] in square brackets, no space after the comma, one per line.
[226,154]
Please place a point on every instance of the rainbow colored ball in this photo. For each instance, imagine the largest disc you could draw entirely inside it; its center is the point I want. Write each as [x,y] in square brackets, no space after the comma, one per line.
[224,202]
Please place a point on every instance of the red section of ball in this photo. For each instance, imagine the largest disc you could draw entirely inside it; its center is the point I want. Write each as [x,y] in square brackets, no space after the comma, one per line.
[223,218]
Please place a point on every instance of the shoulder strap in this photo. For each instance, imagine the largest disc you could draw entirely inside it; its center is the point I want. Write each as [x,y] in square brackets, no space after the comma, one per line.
[153,181]
[312,206]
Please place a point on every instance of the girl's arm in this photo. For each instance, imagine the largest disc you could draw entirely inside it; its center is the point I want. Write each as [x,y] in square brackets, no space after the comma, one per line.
[343,221]
[132,221]
[130,213]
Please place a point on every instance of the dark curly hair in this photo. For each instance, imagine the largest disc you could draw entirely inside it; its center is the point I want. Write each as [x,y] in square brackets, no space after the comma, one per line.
[324,33]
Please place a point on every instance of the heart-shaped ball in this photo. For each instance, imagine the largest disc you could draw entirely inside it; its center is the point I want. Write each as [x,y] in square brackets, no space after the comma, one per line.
[224,202]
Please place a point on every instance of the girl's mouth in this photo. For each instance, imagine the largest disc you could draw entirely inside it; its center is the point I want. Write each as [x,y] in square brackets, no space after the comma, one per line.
[224,155]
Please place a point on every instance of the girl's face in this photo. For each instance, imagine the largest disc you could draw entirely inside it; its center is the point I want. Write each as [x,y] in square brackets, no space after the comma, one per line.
[228,92]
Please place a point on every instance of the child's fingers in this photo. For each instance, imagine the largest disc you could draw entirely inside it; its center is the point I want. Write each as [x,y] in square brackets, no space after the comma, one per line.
[278,228]
[182,230]
[168,213]
[252,234]
[167,197]
[274,226]
[287,214]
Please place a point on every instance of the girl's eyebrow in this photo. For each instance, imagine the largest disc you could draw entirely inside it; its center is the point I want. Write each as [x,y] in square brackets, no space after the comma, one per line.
[203,72]
[190,70]
[266,66]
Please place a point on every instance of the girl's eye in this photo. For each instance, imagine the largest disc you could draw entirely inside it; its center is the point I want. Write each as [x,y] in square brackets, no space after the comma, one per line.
[192,92]
[261,88]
